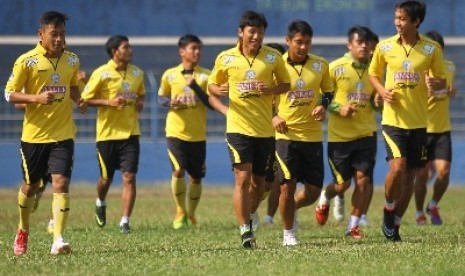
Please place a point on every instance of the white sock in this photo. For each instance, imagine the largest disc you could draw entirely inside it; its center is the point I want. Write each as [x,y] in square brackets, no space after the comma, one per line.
[390,205]
[419,213]
[397,220]
[353,221]
[288,232]
[124,220]
[323,199]
[432,204]
[100,203]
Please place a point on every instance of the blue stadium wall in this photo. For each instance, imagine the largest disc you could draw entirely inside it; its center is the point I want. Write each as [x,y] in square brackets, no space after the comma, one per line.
[220,17]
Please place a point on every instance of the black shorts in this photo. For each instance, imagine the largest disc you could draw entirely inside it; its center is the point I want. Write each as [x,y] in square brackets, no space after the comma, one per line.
[302,161]
[439,146]
[118,155]
[189,156]
[271,168]
[347,157]
[248,149]
[41,159]
[408,143]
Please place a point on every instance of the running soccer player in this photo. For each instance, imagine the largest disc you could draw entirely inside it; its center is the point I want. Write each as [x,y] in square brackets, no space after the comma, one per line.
[186,125]
[117,89]
[439,147]
[405,58]
[45,80]
[351,147]
[298,124]
[247,74]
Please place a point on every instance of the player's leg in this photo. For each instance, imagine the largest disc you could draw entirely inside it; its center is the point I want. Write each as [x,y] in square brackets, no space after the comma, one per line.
[107,159]
[443,159]
[420,190]
[196,169]
[177,153]
[60,167]
[129,151]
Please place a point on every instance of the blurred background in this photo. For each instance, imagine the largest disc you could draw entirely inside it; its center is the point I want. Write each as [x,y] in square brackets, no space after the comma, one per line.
[154,26]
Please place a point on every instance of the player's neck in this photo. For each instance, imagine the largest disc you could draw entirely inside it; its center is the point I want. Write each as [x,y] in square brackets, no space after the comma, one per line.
[188,65]
[120,65]
[409,39]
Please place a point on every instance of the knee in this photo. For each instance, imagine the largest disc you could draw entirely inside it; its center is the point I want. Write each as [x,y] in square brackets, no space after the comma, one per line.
[129,177]
[341,188]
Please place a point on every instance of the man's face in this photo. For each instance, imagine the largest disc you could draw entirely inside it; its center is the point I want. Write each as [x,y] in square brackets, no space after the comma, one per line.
[358,48]
[191,53]
[404,24]
[52,38]
[299,46]
[252,37]
[124,52]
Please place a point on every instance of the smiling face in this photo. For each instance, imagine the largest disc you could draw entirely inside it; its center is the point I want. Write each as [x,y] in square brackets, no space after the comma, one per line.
[252,39]
[404,24]
[52,38]
[299,46]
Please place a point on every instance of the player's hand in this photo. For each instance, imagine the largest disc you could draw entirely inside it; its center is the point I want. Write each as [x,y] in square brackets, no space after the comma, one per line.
[118,102]
[434,84]
[45,97]
[224,89]
[82,106]
[378,100]
[264,89]
[452,91]
[389,96]
[347,110]
[139,104]
[279,124]
[319,113]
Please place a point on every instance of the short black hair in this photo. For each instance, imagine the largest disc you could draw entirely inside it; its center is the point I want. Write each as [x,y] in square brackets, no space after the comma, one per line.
[114,42]
[53,18]
[187,39]
[252,19]
[434,35]
[364,33]
[299,26]
[414,9]
[277,46]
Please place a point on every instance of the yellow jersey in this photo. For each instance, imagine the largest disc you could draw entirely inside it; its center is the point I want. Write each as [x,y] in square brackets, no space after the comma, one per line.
[405,74]
[189,122]
[34,73]
[308,81]
[107,83]
[351,87]
[249,110]
[438,104]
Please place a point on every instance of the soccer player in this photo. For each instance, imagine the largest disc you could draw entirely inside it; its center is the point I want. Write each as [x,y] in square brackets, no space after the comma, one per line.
[247,74]
[45,80]
[351,147]
[186,124]
[439,147]
[117,89]
[405,58]
[298,124]
[338,208]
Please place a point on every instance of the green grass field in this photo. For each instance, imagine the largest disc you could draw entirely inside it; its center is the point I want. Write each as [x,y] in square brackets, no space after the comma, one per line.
[213,248]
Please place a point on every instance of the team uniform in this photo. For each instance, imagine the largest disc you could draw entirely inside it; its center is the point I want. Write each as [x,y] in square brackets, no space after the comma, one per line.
[117,128]
[249,132]
[300,151]
[47,140]
[46,145]
[186,126]
[439,127]
[350,140]
[404,123]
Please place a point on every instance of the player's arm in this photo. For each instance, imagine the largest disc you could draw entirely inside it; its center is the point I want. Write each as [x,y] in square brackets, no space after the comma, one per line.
[117,102]
[22,98]
[277,89]
[386,94]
